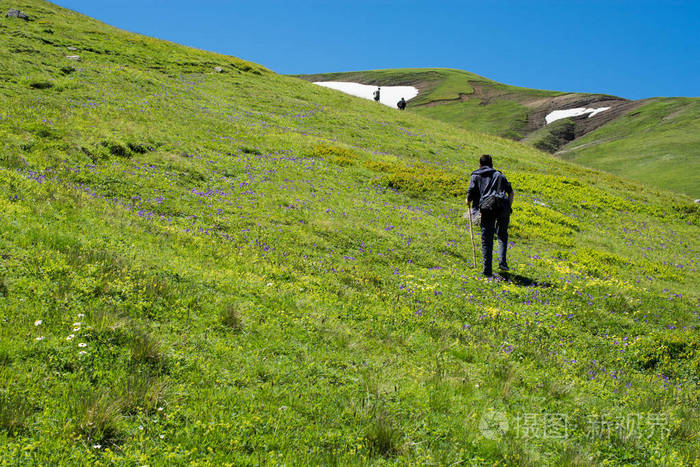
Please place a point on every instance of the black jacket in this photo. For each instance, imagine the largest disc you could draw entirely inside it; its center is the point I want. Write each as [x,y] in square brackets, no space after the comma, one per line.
[486,181]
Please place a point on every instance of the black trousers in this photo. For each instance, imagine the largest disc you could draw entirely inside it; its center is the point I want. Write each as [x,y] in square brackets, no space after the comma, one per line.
[494,223]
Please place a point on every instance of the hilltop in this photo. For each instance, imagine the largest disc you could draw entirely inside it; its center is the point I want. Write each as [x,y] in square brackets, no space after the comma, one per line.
[654,141]
[204,262]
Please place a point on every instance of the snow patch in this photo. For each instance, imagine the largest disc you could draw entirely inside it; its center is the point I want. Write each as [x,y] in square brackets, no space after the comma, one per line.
[559,114]
[388,95]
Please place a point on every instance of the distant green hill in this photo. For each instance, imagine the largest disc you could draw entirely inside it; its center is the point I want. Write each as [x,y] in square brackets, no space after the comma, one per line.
[654,141]
[205,263]
[464,99]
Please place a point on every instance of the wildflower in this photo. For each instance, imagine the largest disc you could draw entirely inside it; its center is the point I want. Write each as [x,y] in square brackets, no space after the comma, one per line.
[70,337]
[82,352]
[270,284]
[161,436]
[96,446]
[38,322]
[160,409]
[81,315]
[77,324]
[82,344]
[140,427]
[40,338]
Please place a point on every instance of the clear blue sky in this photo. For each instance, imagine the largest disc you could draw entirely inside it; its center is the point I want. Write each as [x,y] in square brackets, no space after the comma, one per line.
[629,48]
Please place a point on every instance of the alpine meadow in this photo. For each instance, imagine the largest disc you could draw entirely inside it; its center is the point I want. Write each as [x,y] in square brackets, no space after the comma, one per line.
[203,262]
[655,141]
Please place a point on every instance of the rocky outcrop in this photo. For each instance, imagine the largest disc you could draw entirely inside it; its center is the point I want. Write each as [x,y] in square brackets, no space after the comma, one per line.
[582,124]
[12,13]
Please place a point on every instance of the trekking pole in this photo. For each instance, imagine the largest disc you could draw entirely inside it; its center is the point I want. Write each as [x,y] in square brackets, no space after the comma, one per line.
[471,233]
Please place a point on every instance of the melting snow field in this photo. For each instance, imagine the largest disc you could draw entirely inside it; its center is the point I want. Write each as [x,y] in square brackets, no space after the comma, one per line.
[559,114]
[388,95]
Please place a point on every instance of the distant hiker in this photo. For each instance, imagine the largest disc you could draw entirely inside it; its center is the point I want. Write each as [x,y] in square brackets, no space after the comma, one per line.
[376,94]
[401,104]
[492,197]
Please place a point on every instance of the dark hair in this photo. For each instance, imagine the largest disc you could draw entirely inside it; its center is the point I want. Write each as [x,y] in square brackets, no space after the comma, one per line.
[485,161]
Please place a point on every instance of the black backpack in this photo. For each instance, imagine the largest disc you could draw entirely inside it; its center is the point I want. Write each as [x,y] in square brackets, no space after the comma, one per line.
[492,204]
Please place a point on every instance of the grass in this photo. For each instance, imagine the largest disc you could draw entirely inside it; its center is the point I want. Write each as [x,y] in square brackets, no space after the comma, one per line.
[500,112]
[553,136]
[503,118]
[244,268]
[656,143]
[437,83]
[231,318]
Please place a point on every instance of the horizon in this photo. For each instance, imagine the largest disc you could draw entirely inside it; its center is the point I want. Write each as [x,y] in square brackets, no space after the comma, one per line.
[651,41]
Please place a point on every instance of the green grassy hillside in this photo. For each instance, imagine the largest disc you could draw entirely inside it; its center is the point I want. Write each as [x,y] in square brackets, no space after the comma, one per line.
[243,268]
[497,109]
[654,141]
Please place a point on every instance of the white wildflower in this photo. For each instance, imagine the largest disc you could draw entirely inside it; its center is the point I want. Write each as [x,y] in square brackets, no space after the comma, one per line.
[81,315]
[38,322]
[76,329]
[161,436]
[77,324]
[40,338]
[270,284]
[140,427]
[70,337]
[82,344]
[96,446]
[160,409]
[82,352]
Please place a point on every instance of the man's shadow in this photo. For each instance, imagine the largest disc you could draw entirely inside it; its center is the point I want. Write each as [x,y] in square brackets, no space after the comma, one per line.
[523,281]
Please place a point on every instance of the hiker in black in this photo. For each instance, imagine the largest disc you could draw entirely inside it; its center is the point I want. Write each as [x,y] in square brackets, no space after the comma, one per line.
[376,94]
[401,104]
[492,196]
